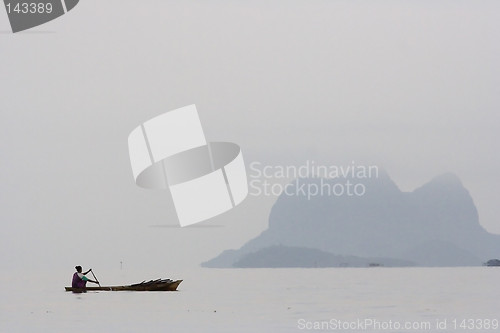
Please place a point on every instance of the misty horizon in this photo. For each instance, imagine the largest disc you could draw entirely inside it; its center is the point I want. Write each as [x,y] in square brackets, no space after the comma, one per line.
[410,87]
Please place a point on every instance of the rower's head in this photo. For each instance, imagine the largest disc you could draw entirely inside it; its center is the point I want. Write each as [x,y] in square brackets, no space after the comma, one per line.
[78,269]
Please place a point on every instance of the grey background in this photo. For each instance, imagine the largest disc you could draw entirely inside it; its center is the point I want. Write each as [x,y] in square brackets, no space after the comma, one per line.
[412,86]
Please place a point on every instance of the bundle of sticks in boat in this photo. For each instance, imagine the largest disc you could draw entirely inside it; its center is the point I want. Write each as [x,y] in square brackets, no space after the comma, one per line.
[152,282]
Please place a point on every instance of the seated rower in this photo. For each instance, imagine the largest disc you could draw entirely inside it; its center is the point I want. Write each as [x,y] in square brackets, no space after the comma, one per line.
[80,280]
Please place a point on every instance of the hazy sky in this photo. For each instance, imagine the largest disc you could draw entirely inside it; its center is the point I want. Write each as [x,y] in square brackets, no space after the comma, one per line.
[413,86]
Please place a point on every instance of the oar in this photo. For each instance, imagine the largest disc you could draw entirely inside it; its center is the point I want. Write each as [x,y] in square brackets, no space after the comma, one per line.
[95,278]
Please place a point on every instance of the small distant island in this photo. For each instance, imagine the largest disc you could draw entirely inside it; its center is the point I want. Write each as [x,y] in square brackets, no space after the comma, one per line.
[434,225]
[288,256]
[492,262]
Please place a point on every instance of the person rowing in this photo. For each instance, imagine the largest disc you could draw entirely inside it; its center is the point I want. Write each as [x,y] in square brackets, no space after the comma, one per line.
[80,280]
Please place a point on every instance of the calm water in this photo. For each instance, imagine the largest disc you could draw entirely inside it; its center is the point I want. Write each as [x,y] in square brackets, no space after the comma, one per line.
[261,300]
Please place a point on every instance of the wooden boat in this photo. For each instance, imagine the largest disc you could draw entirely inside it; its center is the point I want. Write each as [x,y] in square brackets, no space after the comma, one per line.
[153,285]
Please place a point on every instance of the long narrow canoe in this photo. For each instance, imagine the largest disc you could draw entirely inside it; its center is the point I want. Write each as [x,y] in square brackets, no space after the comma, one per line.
[153,285]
